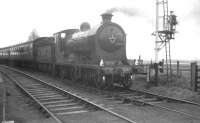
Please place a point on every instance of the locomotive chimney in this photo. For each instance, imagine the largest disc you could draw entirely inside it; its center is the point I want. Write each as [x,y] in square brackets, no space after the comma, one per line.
[106,17]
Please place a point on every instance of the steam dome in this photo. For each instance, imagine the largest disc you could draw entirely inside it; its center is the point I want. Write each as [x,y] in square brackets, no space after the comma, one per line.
[85,26]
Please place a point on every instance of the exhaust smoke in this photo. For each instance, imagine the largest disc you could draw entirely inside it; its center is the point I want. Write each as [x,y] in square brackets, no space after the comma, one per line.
[126,11]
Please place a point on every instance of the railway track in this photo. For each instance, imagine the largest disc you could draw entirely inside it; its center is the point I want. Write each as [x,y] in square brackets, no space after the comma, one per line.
[186,108]
[53,100]
[183,107]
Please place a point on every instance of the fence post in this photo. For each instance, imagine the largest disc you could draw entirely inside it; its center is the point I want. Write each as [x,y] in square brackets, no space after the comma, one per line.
[148,73]
[178,69]
[156,74]
[194,76]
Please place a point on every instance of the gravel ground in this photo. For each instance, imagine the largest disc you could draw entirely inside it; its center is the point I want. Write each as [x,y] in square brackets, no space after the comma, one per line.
[95,117]
[18,109]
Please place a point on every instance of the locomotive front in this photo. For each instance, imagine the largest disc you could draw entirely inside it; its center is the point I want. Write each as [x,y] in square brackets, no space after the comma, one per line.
[110,40]
[111,49]
[111,37]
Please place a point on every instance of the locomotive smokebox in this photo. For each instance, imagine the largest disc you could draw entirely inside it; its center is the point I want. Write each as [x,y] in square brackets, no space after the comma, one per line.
[106,17]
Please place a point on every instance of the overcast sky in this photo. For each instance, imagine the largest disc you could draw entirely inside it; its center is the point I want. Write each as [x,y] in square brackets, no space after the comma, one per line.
[20,17]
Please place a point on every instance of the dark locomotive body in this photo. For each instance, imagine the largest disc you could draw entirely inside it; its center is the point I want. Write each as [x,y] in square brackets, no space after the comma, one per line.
[89,47]
[96,56]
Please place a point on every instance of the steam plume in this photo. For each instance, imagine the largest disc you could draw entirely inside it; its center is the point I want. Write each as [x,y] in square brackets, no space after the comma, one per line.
[126,11]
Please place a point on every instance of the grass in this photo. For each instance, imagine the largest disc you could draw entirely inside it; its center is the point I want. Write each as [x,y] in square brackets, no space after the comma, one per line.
[179,87]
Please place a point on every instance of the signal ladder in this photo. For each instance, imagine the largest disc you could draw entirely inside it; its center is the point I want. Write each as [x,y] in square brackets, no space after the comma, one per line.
[163,34]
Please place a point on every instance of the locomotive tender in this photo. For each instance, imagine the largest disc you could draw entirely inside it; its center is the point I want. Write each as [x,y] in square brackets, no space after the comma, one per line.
[94,56]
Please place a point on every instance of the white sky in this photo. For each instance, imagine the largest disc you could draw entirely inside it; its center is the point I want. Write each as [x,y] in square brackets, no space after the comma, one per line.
[20,17]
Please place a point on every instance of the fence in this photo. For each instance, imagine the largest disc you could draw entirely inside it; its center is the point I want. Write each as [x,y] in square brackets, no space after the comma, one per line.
[188,71]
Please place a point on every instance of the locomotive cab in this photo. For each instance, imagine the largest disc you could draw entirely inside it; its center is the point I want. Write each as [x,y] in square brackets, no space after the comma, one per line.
[61,51]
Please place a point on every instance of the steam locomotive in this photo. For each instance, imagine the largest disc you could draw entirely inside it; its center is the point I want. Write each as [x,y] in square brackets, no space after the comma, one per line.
[94,56]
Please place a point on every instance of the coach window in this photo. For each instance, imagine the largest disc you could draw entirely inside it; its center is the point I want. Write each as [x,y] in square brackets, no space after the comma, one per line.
[14,50]
[62,41]
[21,49]
[63,35]
[17,50]
[11,51]
[56,38]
